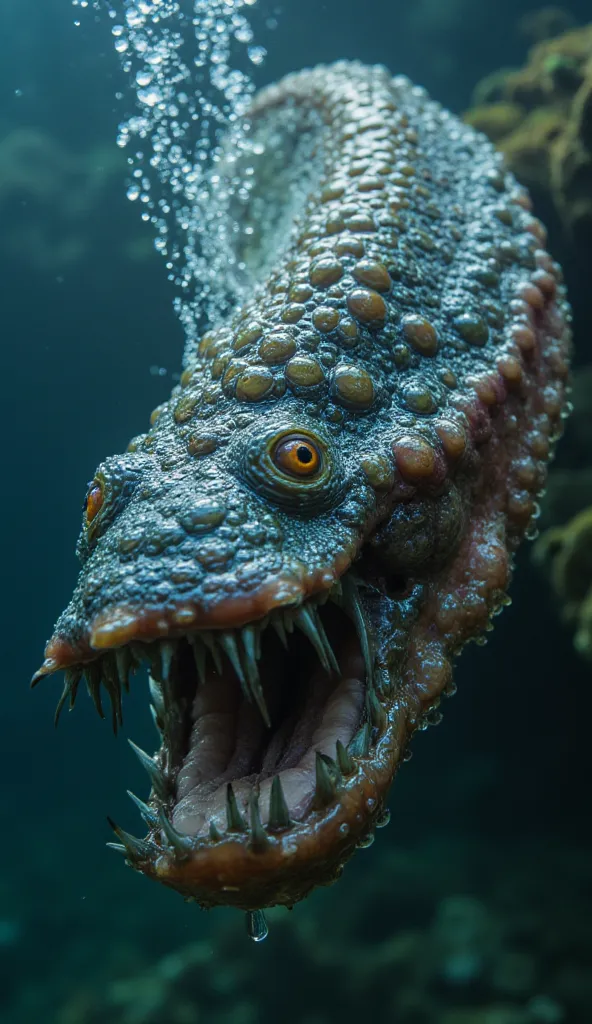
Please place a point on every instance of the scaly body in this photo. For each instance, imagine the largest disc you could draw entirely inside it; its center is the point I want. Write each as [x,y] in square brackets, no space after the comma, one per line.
[361,443]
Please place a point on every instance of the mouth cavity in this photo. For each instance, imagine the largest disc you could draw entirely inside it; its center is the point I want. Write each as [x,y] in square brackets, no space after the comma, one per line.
[263,731]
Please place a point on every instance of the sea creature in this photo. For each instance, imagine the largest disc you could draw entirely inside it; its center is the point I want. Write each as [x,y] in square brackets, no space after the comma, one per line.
[326,508]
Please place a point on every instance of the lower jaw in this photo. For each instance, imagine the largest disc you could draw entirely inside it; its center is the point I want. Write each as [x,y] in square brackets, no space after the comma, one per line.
[243,870]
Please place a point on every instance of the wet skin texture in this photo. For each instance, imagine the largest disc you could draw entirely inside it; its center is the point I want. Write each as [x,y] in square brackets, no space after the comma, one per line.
[364,439]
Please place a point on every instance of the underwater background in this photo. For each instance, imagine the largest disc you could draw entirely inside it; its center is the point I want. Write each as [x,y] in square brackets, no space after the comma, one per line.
[475,904]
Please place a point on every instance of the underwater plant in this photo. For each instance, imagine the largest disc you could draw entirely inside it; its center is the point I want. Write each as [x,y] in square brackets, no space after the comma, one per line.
[325,510]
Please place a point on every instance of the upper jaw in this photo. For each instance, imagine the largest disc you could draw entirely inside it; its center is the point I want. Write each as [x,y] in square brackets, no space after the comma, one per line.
[78,640]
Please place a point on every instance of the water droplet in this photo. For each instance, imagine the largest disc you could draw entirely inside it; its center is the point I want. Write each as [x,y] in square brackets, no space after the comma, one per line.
[257,929]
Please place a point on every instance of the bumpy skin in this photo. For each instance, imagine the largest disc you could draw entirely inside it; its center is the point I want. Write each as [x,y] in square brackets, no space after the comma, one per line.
[416,326]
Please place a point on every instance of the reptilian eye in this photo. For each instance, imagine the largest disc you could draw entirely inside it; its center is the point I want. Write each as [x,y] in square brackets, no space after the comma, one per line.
[297,456]
[291,465]
[94,501]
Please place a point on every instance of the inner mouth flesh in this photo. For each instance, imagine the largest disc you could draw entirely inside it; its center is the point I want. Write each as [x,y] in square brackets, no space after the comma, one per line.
[259,725]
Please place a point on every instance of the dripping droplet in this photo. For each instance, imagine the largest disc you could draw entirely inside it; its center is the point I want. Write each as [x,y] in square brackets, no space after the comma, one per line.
[257,929]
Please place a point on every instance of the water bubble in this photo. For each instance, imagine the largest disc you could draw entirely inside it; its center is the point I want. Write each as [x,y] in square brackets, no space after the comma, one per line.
[150,96]
[188,68]
[257,54]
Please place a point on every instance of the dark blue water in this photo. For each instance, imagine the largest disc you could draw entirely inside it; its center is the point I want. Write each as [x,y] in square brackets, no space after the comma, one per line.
[493,808]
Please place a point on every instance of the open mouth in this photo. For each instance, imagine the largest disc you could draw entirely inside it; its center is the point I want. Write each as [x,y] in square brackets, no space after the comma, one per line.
[268,735]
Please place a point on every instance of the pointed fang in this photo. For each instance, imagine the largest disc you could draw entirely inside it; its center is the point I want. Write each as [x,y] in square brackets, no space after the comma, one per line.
[377,712]
[325,788]
[279,813]
[119,847]
[212,647]
[92,674]
[305,621]
[136,849]
[280,629]
[230,648]
[347,765]
[181,844]
[199,657]
[148,815]
[157,697]
[215,836]
[360,744]
[354,608]
[156,777]
[328,649]
[61,702]
[259,837]
[167,654]
[234,818]
[250,645]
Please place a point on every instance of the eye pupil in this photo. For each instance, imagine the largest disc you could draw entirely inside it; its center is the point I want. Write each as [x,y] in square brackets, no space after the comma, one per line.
[297,457]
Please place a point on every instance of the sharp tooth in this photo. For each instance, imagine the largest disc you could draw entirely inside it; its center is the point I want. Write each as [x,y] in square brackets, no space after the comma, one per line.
[157,779]
[212,647]
[73,677]
[123,665]
[92,675]
[360,744]
[376,710]
[259,838]
[328,649]
[157,697]
[61,702]
[111,684]
[278,624]
[117,846]
[215,836]
[279,813]
[235,820]
[288,620]
[167,654]
[347,765]
[199,656]
[305,621]
[230,647]
[71,683]
[147,813]
[249,637]
[325,788]
[257,929]
[354,608]
[157,721]
[181,844]
[136,849]
[336,592]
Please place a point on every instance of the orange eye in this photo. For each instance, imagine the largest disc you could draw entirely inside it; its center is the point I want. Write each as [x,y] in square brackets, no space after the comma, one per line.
[94,501]
[297,456]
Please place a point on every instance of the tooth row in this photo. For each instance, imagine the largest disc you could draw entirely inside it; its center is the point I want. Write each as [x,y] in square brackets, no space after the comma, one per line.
[329,777]
[241,647]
